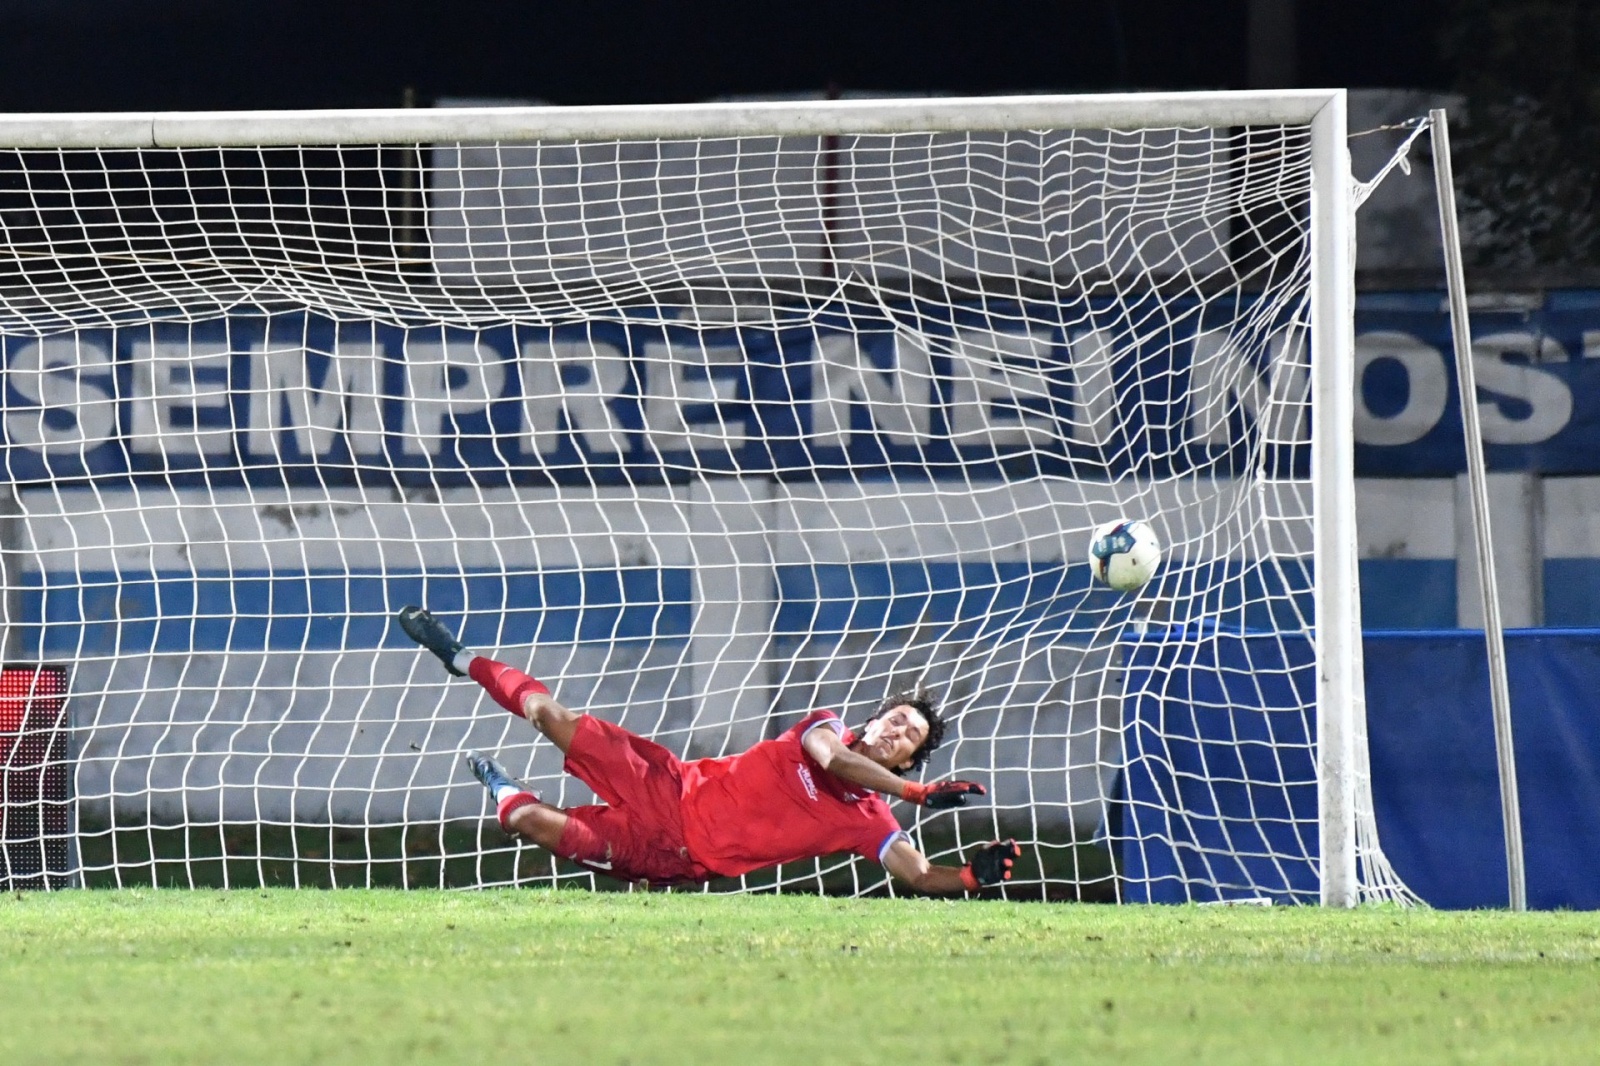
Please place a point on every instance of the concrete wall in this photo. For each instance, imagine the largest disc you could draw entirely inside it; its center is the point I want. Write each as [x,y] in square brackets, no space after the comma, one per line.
[233,656]
[1419,559]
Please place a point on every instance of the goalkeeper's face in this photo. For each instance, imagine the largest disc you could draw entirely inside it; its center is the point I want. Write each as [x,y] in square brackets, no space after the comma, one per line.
[892,738]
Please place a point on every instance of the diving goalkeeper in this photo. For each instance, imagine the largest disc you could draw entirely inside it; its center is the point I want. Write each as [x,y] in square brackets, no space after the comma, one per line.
[810,792]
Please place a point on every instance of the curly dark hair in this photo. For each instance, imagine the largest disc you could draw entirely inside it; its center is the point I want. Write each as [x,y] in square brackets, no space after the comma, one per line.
[921,700]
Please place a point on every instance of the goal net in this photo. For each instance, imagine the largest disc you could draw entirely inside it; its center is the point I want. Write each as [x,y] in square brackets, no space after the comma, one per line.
[707,417]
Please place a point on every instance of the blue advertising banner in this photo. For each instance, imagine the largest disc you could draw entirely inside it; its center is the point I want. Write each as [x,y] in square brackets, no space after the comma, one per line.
[1538,370]
[916,391]
[1218,731]
[913,390]
[1434,772]
[1219,797]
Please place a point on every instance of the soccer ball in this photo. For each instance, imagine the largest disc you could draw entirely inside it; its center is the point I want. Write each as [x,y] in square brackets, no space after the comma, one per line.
[1124,553]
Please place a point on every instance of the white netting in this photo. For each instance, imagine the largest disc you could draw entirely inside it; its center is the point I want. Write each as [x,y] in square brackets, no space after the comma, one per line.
[703,433]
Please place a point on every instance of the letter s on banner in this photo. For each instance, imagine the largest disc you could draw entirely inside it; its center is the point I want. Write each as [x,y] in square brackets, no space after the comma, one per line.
[1549,399]
[1427,395]
[67,404]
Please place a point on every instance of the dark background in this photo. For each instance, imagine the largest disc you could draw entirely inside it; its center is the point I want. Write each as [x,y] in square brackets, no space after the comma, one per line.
[71,55]
[1525,74]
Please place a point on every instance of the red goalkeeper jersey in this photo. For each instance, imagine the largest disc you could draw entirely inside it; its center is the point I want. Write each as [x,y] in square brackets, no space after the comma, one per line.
[774,804]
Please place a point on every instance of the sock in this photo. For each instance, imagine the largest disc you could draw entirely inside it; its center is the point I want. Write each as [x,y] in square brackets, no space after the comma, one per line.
[463,659]
[508,685]
[514,800]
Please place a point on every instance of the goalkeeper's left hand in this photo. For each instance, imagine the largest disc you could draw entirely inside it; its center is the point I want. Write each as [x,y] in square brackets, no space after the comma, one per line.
[991,865]
[942,794]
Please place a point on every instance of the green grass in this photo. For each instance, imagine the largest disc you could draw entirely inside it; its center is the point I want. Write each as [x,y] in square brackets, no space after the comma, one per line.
[148,976]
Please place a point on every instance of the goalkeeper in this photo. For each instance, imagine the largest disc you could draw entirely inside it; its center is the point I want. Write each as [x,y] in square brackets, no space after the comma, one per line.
[810,792]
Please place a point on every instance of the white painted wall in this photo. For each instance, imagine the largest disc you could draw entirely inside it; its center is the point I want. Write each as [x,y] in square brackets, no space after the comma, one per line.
[1515,517]
[374,735]
[1406,518]
[1001,203]
[1571,517]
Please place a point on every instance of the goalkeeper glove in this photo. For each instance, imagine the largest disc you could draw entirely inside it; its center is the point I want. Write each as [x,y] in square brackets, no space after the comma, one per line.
[943,794]
[991,866]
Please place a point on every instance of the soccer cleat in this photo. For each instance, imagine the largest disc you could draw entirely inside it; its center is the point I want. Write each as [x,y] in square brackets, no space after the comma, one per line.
[421,626]
[492,775]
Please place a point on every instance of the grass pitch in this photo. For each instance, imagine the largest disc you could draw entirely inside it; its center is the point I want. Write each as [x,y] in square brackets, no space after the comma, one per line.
[146,976]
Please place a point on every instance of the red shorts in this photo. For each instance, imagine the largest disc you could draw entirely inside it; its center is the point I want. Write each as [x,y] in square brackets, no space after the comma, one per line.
[638,834]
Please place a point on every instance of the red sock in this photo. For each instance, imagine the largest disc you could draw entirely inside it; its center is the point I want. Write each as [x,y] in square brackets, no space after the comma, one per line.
[508,685]
[506,807]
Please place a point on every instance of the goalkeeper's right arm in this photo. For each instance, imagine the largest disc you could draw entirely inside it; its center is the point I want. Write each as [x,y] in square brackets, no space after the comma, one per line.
[990,865]
[829,752]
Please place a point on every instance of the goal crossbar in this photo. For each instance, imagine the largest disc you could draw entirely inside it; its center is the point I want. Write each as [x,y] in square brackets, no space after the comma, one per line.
[201,129]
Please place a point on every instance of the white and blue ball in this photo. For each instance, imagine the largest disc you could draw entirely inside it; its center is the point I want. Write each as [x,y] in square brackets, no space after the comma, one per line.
[1124,553]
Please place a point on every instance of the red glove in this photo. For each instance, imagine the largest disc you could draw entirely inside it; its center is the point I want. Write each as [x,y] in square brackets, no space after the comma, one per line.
[943,794]
[991,865]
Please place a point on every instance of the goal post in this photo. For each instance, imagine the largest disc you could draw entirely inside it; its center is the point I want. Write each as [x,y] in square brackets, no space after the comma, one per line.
[713,413]
[1338,607]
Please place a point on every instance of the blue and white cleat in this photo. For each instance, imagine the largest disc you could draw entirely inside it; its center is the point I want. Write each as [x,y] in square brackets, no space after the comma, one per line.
[421,626]
[493,776]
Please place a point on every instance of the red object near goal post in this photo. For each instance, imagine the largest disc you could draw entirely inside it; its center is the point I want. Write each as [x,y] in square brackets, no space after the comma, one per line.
[35,778]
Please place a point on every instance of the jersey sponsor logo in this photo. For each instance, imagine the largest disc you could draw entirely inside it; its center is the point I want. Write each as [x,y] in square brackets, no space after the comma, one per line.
[807,782]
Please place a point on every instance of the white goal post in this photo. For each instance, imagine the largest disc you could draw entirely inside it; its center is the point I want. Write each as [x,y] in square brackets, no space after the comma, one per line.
[711,413]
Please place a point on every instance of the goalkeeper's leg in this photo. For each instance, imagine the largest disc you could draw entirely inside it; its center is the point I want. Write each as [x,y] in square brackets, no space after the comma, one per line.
[524,696]
[522,813]
[518,807]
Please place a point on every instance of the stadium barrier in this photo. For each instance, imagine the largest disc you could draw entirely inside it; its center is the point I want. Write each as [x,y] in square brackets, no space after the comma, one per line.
[1433,767]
